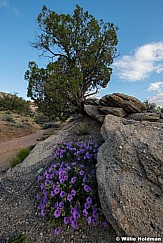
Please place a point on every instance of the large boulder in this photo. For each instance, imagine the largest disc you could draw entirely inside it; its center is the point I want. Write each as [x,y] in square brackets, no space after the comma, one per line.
[43,150]
[92,101]
[148,116]
[92,111]
[128,103]
[130,176]
[113,111]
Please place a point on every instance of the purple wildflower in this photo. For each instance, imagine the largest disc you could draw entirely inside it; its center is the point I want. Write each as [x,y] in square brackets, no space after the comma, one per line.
[87,188]
[89,200]
[76,215]
[72,210]
[105,224]
[81,172]
[74,163]
[73,192]
[56,190]
[51,176]
[66,220]
[85,213]
[89,220]
[84,179]
[56,205]
[62,194]
[94,213]
[87,205]
[69,197]
[42,205]
[61,204]
[68,168]
[47,176]
[43,212]
[45,199]
[61,181]
[73,179]
[94,221]
[74,224]
[65,177]
[57,213]
[57,231]
[42,186]
[52,194]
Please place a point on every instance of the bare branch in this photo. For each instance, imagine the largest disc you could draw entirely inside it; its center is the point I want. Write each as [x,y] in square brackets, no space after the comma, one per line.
[87,95]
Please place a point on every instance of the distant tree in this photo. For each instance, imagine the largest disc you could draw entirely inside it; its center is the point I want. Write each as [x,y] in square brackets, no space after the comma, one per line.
[152,107]
[12,102]
[82,49]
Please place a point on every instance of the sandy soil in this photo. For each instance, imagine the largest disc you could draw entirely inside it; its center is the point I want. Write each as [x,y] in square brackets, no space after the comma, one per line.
[8,149]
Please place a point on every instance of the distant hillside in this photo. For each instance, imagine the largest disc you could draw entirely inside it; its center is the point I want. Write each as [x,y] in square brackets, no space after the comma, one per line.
[2,94]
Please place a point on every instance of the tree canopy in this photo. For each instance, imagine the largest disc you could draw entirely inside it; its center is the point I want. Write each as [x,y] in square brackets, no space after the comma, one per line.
[11,102]
[81,50]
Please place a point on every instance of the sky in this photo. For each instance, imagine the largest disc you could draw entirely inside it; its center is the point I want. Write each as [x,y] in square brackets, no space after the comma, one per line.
[138,68]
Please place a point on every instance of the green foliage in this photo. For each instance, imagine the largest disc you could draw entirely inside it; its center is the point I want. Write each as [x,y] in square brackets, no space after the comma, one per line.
[18,239]
[15,161]
[40,118]
[8,117]
[12,102]
[86,48]
[152,107]
[21,155]
[47,125]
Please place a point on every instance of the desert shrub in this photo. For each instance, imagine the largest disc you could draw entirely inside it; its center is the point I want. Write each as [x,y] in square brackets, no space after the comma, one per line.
[47,125]
[83,128]
[8,117]
[14,103]
[18,239]
[21,155]
[15,161]
[20,125]
[40,118]
[152,107]
[24,120]
[68,188]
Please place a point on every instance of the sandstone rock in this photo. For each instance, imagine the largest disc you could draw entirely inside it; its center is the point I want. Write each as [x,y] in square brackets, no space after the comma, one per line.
[113,111]
[130,177]
[92,110]
[153,117]
[128,103]
[100,118]
[43,150]
[92,101]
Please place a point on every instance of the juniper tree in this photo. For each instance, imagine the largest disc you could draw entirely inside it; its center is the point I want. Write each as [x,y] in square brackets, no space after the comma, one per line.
[81,49]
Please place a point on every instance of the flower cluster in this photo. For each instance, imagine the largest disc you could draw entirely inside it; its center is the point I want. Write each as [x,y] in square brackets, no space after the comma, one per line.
[69,189]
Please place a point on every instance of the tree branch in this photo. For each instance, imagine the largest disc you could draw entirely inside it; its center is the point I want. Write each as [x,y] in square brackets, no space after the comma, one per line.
[87,95]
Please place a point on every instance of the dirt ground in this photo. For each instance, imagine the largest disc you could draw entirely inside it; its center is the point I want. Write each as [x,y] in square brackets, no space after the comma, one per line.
[12,139]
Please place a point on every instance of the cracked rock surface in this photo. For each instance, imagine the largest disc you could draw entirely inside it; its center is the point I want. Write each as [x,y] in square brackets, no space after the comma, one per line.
[130,176]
